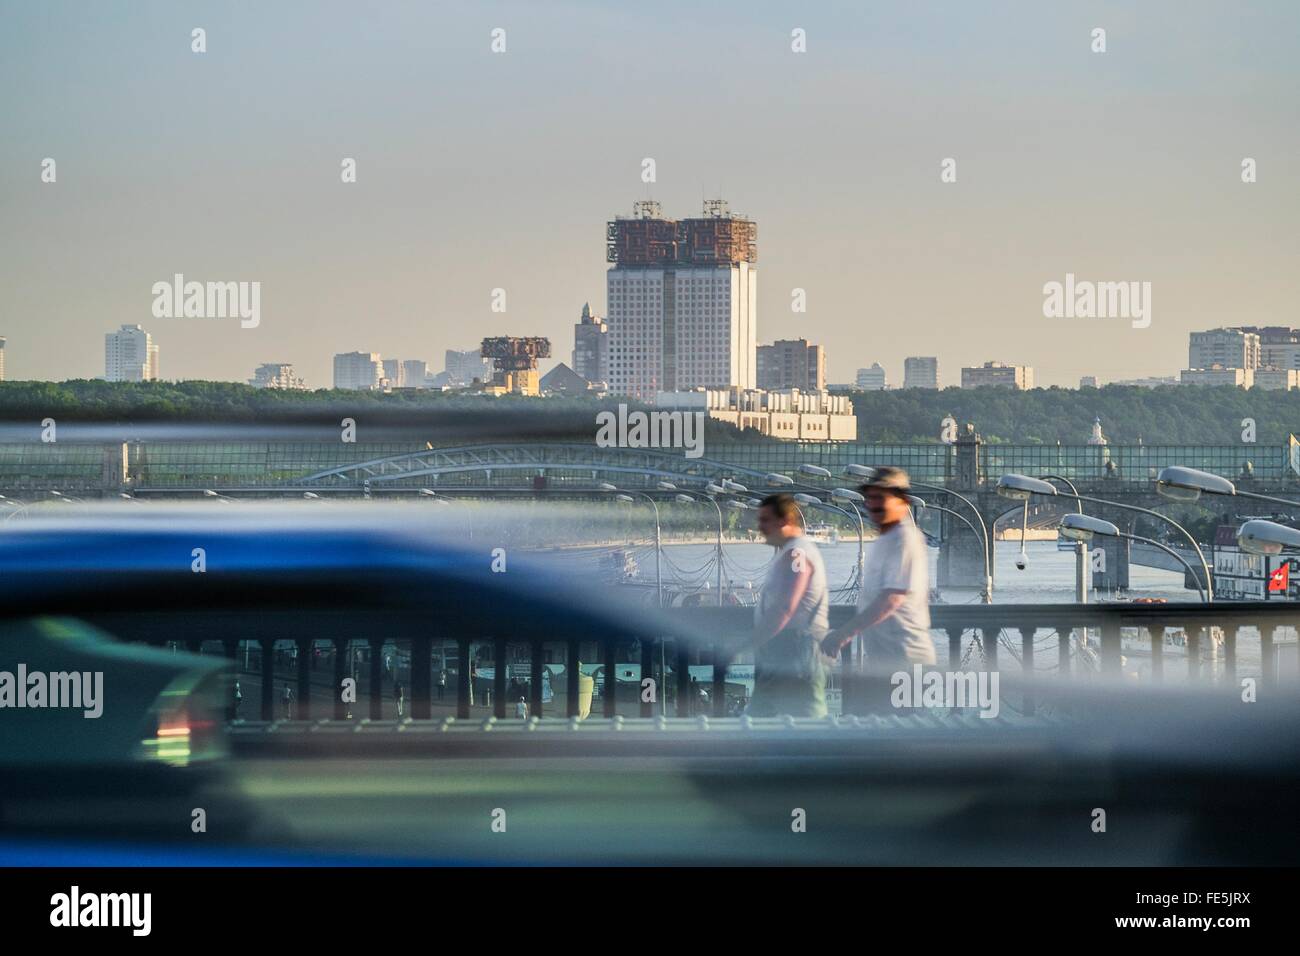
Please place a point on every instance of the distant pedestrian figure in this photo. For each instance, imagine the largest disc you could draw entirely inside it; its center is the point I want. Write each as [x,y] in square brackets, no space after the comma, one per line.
[442,683]
[790,619]
[238,698]
[399,695]
[287,699]
[521,709]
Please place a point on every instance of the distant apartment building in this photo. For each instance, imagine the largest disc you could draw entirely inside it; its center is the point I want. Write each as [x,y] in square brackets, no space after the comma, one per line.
[872,379]
[358,371]
[920,371]
[276,375]
[130,355]
[1276,379]
[792,414]
[1088,381]
[682,301]
[415,373]
[462,366]
[1218,375]
[1226,348]
[591,347]
[1279,346]
[393,373]
[1153,381]
[999,374]
[2,358]
[791,363]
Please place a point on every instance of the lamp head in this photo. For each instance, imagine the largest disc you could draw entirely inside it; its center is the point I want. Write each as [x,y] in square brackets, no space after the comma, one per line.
[1079,527]
[1022,487]
[1258,536]
[1187,484]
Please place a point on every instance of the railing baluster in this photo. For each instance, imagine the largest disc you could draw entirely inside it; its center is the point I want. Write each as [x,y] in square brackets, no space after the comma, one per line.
[647,669]
[499,678]
[267,646]
[571,674]
[1193,650]
[1063,650]
[340,674]
[1112,647]
[719,690]
[1266,657]
[376,678]
[421,677]
[954,648]
[535,678]
[610,648]
[1230,632]
[303,710]
[462,678]
[683,679]
[1156,634]
[1027,666]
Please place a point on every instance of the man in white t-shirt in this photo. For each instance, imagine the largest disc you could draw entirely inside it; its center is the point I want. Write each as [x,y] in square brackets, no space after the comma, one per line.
[893,613]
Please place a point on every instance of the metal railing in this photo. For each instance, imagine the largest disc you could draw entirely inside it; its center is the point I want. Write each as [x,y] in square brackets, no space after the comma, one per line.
[1006,636]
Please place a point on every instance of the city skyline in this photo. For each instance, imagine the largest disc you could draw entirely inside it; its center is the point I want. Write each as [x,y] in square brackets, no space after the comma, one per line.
[1067,162]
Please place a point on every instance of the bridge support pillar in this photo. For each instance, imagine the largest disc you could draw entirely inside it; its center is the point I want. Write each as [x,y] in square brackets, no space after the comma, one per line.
[1113,572]
[961,555]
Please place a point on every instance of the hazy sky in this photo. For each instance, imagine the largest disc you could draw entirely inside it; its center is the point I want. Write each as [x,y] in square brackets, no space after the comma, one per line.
[479,170]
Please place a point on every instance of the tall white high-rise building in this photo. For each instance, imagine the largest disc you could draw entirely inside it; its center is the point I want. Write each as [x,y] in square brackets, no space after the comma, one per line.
[130,355]
[2,358]
[683,301]
[358,370]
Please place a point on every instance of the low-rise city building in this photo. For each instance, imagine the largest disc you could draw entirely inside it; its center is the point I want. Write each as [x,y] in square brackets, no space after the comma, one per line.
[792,414]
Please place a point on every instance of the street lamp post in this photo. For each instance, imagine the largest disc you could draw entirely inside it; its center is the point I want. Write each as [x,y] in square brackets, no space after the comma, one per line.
[684,496]
[659,541]
[1021,487]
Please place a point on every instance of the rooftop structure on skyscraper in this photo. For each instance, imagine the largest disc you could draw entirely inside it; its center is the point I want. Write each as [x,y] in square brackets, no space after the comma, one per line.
[515,359]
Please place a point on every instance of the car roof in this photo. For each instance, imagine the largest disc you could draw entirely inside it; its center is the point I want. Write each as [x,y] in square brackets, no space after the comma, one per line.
[382,556]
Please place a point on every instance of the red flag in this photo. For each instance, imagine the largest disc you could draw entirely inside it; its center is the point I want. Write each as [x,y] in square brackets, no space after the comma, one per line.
[1277,581]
